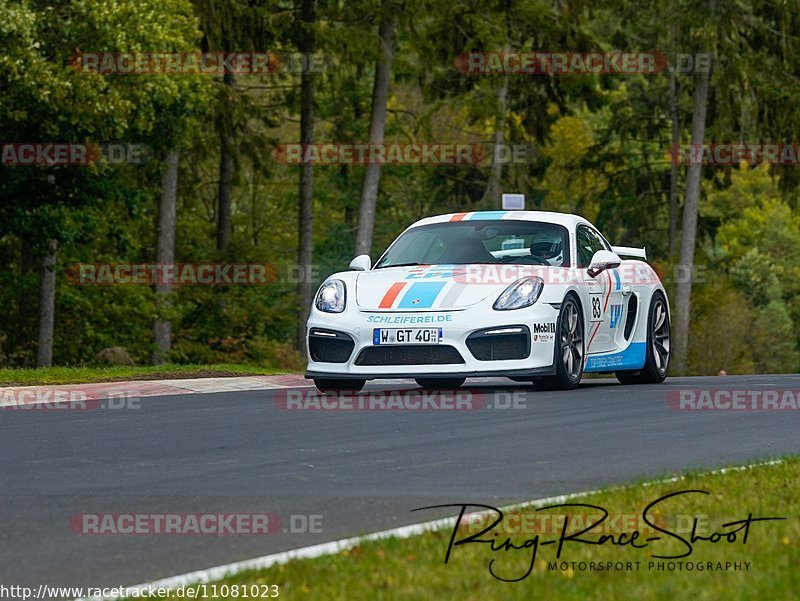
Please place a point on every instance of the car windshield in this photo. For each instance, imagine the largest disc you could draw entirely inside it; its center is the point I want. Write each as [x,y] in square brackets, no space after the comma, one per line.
[471,242]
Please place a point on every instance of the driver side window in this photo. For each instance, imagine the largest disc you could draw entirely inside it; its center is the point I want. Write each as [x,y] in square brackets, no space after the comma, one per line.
[589,242]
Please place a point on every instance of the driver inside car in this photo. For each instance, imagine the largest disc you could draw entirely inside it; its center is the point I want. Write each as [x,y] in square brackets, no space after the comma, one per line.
[549,251]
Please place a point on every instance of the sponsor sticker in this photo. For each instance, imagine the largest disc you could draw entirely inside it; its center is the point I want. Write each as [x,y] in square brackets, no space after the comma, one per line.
[543,332]
[404,319]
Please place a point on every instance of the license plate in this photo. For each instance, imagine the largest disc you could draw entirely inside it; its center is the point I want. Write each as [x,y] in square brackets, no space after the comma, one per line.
[406,336]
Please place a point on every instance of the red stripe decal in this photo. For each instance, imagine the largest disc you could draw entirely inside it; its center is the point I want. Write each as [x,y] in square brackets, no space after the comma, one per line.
[608,296]
[458,217]
[391,295]
[597,327]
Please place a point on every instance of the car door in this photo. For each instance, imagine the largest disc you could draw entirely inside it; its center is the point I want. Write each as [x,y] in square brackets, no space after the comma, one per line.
[605,306]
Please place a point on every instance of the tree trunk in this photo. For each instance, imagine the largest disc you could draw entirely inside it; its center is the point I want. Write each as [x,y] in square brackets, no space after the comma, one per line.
[305,255]
[165,255]
[674,172]
[26,264]
[689,232]
[493,193]
[47,306]
[377,123]
[225,173]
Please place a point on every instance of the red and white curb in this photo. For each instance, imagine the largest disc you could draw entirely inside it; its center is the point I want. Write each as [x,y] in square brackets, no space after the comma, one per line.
[65,393]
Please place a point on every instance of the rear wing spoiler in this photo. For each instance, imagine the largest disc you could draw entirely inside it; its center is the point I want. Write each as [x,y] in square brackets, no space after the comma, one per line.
[630,252]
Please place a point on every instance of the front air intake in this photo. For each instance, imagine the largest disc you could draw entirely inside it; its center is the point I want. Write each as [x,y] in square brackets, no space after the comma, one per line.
[329,346]
[418,354]
[500,344]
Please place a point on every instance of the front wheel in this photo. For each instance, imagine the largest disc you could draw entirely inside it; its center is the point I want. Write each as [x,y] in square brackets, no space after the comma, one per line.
[439,383]
[338,384]
[657,352]
[569,349]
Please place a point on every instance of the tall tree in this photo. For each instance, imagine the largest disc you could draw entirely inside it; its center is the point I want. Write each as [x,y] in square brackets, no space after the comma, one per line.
[47,306]
[305,255]
[228,26]
[491,198]
[694,172]
[165,255]
[674,115]
[492,195]
[377,125]
[226,142]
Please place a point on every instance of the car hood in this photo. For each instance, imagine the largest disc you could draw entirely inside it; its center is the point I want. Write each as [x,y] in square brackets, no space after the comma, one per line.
[435,287]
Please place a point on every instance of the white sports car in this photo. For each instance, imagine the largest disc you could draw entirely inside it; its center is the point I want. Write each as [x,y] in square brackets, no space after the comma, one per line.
[528,295]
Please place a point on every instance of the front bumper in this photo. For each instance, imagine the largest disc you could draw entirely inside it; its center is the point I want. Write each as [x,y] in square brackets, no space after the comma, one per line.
[358,357]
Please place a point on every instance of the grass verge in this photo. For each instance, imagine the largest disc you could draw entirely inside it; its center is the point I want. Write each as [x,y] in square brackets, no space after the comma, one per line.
[82,375]
[413,568]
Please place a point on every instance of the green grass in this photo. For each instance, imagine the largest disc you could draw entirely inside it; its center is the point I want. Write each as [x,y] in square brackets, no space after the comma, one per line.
[81,375]
[413,568]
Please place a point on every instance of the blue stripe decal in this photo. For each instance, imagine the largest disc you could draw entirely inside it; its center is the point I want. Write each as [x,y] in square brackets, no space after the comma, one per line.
[616,277]
[421,295]
[631,358]
[484,215]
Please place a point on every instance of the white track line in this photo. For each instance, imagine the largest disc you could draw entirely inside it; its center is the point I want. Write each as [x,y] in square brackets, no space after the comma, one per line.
[330,548]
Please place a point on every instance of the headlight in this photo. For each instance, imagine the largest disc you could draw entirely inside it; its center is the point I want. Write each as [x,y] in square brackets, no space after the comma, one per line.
[522,293]
[331,297]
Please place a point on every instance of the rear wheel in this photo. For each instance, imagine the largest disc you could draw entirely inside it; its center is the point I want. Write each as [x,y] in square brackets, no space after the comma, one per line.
[656,361]
[569,349]
[439,383]
[337,384]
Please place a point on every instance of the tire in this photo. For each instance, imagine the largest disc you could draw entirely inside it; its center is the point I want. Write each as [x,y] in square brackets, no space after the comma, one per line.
[337,384]
[439,383]
[656,363]
[570,349]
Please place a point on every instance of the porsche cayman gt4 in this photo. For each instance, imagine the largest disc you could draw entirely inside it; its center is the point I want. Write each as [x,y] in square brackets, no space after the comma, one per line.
[529,295]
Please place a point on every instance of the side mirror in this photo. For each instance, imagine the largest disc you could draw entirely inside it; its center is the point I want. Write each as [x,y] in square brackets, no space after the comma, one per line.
[602,260]
[361,263]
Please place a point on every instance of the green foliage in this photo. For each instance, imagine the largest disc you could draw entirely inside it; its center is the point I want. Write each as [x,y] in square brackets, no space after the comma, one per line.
[569,185]
[722,328]
[774,340]
[757,250]
[599,148]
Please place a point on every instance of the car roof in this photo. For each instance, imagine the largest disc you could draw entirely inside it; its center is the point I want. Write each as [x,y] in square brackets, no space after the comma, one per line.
[566,219]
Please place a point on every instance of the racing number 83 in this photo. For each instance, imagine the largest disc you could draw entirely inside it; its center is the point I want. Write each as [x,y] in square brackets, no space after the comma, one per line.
[597,311]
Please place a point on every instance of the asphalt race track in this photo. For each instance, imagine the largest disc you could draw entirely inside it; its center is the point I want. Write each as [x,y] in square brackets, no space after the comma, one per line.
[362,471]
